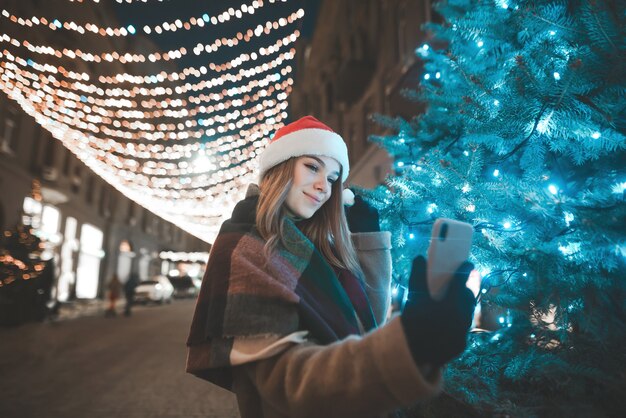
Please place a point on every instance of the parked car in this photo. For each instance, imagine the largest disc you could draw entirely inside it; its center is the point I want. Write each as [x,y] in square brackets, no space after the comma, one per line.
[158,289]
[185,286]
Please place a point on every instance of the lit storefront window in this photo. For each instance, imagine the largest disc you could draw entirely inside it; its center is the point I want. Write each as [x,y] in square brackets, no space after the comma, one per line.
[70,245]
[91,253]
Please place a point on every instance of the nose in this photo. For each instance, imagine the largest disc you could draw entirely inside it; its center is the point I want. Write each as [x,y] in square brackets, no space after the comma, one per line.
[321,185]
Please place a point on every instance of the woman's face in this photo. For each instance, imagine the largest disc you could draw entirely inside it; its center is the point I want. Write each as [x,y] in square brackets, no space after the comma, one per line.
[313,179]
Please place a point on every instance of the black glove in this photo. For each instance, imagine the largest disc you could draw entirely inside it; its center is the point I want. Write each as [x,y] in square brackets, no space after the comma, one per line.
[362,217]
[437,330]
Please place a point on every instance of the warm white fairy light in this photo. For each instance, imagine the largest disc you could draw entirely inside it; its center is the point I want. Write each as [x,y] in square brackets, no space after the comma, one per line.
[233,158]
[183,144]
[99,105]
[91,88]
[129,30]
[173,54]
[112,93]
[71,108]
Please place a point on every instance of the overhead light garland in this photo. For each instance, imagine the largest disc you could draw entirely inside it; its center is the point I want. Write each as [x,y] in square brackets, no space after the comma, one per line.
[174,54]
[183,143]
[129,30]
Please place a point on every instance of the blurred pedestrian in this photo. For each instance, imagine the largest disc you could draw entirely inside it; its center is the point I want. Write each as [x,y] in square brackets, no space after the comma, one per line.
[114,289]
[291,314]
[129,292]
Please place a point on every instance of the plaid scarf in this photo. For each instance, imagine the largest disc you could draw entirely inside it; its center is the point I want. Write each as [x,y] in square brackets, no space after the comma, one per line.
[246,294]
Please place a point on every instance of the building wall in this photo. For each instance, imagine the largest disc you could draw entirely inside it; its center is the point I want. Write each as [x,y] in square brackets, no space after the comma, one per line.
[361,55]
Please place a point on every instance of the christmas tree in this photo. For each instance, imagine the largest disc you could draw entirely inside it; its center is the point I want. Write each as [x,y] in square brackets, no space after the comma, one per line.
[523,137]
[24,277]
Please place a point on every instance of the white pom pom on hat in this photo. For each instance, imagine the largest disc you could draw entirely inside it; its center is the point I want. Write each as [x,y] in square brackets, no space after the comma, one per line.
[306,136]
[348,197]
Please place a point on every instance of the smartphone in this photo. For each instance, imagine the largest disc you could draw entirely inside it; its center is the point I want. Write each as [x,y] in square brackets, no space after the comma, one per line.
[449,247]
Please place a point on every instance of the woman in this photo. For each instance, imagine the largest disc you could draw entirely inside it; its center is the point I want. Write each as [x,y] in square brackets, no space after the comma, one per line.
[292,303]
[114,290]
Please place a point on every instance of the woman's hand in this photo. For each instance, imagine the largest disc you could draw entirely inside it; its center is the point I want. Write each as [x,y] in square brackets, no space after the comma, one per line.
[362,217]
[437,330]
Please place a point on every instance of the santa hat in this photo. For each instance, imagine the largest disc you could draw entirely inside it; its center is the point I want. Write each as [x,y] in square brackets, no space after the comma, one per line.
[306,136]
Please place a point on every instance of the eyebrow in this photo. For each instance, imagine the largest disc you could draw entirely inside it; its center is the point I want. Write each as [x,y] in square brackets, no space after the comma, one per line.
[319,160]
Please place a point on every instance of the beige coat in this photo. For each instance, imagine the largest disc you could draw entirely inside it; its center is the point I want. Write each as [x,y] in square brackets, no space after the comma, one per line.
[362,377]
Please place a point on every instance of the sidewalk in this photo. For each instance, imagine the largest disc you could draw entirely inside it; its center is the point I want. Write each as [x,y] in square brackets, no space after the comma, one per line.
[80,308]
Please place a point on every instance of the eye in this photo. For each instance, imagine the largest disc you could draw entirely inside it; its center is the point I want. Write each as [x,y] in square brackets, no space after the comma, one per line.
[332,180]
[312,167]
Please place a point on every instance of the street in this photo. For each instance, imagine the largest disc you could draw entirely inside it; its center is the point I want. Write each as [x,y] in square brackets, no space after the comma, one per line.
[106,367]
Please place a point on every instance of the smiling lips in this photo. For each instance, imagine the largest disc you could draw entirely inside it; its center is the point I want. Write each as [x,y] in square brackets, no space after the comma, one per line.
[314,199]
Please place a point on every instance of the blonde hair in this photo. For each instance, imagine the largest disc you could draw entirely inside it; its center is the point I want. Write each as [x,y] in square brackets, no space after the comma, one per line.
[327,229]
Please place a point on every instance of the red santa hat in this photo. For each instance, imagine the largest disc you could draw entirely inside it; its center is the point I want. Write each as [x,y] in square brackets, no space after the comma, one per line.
[306,136]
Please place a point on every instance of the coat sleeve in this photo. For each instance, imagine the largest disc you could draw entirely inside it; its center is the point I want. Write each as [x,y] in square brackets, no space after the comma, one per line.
[374,253]
[356,377]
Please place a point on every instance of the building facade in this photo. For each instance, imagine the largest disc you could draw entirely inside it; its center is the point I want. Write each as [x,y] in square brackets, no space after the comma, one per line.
[359,58]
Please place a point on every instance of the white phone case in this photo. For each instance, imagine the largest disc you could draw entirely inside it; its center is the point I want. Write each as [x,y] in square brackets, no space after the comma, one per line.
[450,245]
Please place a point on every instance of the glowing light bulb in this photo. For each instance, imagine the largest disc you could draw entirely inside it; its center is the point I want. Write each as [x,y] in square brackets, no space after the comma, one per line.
[557,76]
[595,135]
[496,172]
[553,189]
[426,76]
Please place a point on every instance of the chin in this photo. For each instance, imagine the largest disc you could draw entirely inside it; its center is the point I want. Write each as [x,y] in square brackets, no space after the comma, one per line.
[305,215]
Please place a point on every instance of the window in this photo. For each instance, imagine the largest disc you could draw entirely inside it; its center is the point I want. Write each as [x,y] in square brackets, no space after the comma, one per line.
[88,272]
[50,224]
[67,162]
[32,212]
[91,189]
[145,221]
[36,149]
[103,206]
[76,179]
[49,156]
[70,245]
[131,219]
[9,138]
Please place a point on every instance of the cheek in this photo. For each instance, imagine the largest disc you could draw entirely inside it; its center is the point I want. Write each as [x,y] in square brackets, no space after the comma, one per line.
[330,193]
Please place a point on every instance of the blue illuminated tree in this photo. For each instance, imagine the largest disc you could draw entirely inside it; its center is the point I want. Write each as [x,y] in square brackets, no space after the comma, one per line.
[523,137]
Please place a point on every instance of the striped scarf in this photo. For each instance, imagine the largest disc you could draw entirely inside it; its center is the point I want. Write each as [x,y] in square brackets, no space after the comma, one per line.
[245,294]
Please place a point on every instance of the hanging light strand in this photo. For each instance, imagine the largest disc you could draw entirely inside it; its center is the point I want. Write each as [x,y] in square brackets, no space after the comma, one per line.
[204,20]
[173,54]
